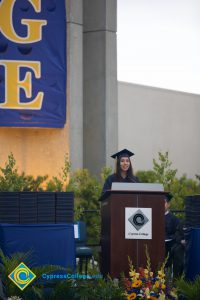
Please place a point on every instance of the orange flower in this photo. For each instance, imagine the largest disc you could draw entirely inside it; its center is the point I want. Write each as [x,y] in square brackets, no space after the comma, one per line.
[149,284]
[137,283]
[141,271]
[127,283]
[131,296]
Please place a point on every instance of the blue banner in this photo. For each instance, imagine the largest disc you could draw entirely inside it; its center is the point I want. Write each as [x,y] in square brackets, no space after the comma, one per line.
[32,63]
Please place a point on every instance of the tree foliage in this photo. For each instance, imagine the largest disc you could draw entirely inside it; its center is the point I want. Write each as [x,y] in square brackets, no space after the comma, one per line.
[164,173]
[12,181]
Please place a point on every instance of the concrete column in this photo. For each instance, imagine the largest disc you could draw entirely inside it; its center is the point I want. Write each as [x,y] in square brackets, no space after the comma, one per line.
[75,81]
[100,126]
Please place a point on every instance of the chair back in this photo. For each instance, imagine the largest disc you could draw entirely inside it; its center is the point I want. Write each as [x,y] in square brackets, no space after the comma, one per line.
[81,239]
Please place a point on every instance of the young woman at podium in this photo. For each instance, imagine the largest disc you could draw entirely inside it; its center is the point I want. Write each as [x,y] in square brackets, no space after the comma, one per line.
[123,172]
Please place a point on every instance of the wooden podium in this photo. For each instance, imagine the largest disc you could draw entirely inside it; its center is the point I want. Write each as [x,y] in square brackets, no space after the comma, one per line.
[115,247]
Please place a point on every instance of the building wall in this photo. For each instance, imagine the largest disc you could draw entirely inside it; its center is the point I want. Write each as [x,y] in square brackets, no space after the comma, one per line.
[37,151]
[153,119]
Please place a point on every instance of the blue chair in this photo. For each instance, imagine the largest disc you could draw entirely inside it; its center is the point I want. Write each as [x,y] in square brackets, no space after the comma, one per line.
[83,252]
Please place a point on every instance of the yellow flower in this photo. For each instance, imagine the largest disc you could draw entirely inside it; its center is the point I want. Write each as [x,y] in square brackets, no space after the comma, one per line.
[146,273]
[163,286]
[137,283]
[157,283]
[161,274]
[131,296]
[133,274]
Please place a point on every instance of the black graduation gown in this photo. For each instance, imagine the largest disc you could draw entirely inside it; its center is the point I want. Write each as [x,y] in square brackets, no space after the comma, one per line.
[113,178]
[171,223]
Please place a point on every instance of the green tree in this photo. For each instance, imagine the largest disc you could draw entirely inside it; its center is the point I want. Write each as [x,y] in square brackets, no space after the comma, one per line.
[60,183]
[12,181]
[87,191]
[164,173]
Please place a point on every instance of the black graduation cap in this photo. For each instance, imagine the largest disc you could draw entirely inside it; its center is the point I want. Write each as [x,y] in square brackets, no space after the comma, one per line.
[121,153]
[168,197]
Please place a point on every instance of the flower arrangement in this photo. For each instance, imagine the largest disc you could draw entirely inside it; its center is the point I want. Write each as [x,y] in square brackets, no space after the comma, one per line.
[143,284]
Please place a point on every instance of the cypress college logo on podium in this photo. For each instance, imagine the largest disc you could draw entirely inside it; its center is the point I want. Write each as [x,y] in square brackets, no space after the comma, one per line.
[22,276]
[138,223]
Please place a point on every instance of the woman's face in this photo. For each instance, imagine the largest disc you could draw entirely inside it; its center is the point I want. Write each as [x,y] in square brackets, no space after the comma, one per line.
[124,163]
[167,205]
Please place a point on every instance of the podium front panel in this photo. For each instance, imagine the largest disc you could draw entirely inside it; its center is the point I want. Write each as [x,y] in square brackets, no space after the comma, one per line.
[115,248]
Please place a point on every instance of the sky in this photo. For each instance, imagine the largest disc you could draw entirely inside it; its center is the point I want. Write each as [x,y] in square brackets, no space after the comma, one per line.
[158,43]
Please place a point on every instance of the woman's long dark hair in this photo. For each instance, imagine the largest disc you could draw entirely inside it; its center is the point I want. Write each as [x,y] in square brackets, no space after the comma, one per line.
[118,169]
